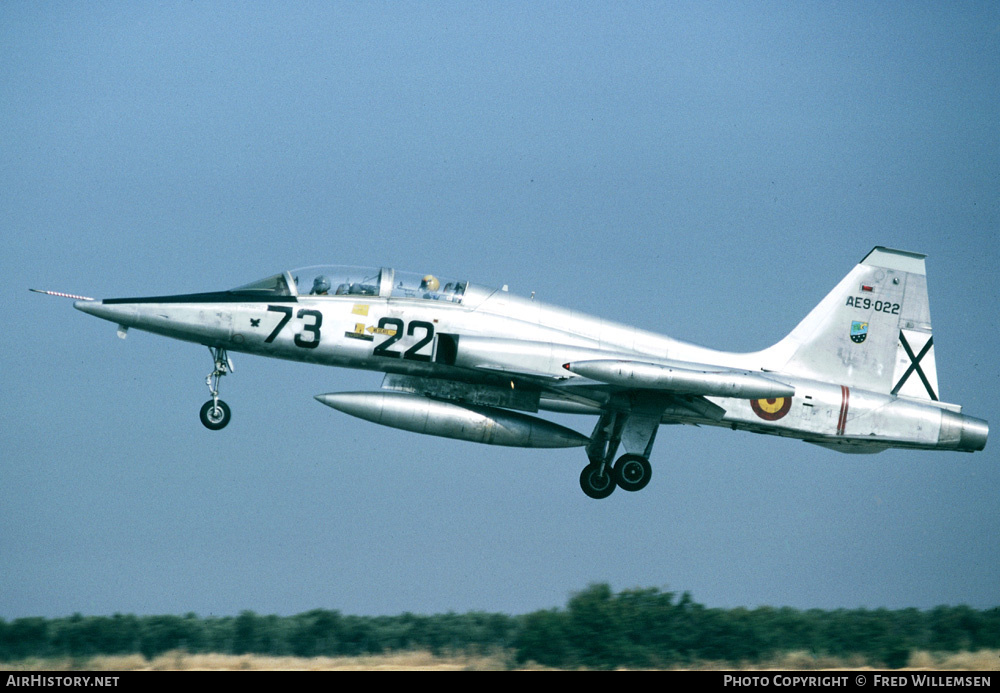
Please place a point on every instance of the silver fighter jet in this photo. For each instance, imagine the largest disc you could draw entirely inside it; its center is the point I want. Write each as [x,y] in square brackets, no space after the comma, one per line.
[465,361]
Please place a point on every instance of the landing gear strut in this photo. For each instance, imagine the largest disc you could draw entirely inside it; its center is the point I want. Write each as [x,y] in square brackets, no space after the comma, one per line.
[598,478]
[215,413]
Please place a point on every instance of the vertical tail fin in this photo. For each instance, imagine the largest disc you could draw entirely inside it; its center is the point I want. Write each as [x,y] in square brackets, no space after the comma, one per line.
[873,331]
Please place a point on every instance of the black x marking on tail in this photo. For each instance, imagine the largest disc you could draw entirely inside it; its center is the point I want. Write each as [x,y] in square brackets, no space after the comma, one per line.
[915,365]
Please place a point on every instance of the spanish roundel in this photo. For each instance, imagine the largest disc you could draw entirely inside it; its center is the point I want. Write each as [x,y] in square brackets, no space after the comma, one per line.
[771,409]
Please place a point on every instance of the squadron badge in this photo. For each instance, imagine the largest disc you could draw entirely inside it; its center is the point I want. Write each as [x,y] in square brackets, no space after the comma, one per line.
[859,331]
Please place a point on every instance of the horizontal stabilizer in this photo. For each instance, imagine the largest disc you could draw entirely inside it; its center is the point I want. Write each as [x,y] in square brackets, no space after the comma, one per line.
[677,380]
[851,447]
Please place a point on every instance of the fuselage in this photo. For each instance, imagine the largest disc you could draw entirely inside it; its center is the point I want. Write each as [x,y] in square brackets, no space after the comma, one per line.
[494,339]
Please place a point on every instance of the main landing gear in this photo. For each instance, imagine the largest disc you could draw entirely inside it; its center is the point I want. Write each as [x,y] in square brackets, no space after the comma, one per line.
[215,413]
[597,480]
[631,472]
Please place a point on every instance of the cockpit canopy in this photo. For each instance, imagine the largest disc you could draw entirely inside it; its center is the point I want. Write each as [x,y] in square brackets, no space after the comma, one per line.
[337,280]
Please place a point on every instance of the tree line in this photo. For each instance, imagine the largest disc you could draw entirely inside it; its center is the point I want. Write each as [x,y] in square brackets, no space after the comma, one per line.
[597,628]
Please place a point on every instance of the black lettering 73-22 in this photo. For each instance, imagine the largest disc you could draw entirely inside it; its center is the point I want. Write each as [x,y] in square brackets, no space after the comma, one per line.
[310,342]
[414,327]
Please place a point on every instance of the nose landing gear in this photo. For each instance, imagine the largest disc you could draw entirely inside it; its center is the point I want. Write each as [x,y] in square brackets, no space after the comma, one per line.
[215,413]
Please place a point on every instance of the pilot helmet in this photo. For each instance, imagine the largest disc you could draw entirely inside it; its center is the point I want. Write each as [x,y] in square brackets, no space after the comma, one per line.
[321,285]
[430,282]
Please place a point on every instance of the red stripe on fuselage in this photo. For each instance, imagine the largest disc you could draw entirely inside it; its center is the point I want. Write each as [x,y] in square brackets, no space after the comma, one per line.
[845,398]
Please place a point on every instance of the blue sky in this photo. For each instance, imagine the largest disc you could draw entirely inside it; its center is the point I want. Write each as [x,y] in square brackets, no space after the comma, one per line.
[704,170]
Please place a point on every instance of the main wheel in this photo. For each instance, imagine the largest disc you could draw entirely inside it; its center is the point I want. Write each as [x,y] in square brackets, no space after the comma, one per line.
[215,417]
[632,472]
[594,483]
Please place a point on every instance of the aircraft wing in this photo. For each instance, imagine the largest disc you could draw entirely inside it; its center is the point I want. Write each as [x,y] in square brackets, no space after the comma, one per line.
[686,379]
[560,366]
[547,362]
[521,374]
[530,375]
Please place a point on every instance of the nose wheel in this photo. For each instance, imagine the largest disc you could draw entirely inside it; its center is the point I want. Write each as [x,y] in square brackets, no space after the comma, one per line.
[215,413]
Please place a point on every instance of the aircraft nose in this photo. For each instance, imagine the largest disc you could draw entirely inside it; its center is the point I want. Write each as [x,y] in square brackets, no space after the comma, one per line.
[119,313]
[86,306]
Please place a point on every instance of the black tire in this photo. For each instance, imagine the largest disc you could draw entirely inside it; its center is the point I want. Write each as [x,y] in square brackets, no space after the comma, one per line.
[632,472]
[595,484]
[214,417]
